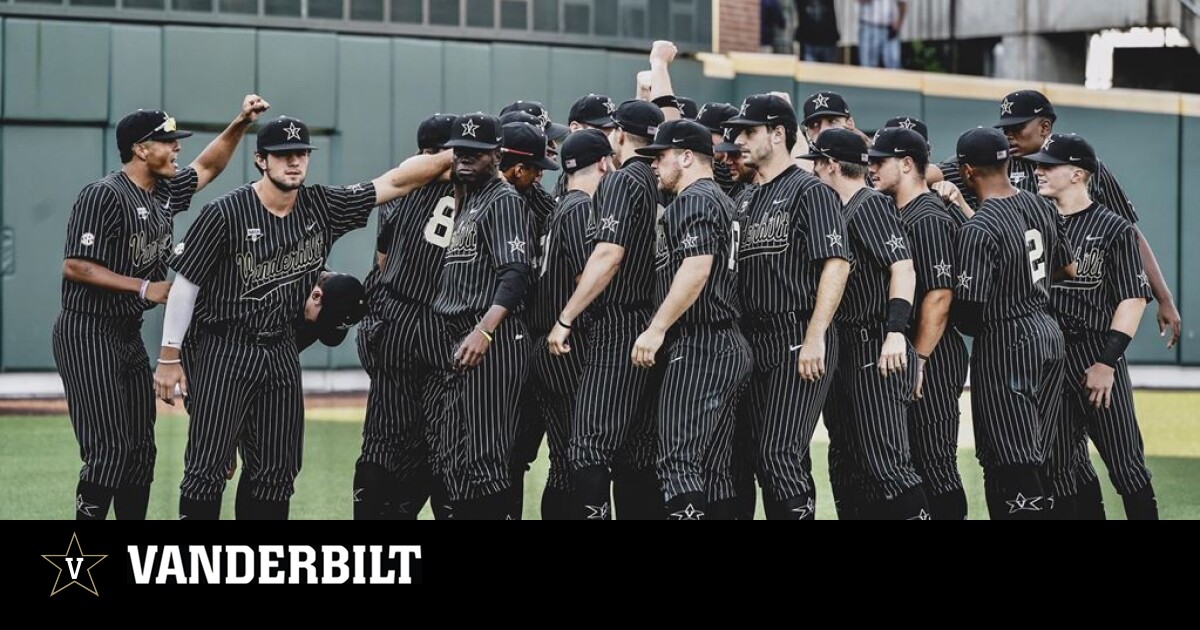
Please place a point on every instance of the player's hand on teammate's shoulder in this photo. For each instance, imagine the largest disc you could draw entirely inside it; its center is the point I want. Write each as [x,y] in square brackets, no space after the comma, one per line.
[253,106]
[157,292]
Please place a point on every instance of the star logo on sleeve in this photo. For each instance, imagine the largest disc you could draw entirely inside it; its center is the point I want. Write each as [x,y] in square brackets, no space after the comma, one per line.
[1024,504]
[77,565]
[354,188]
[835,239]
[609,223]
[293,132]
[598,513]
[895,243]
[964,281]
[688,241]
[1006,108]
[469,128]
[1143,279]
[821,101]
[516,245]
[689,513]
[943,269]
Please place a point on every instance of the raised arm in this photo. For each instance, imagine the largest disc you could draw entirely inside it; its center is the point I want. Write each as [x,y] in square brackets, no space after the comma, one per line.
[215,157]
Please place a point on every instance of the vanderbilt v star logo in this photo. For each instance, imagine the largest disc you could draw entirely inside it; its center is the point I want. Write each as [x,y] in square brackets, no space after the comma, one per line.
[253,234]
[77,566]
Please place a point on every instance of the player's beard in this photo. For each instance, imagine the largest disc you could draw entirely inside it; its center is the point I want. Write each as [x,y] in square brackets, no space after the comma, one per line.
[284,186]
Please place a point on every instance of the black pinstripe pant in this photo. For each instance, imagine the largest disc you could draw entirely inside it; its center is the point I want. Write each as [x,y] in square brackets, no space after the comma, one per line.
[1114,430]
[780,410]
[550,403]
[867,418]
[612,424]
[110,396]
[1016,380]
[402,348]
[242,384]
[480,411]
[933,420]
[706,370]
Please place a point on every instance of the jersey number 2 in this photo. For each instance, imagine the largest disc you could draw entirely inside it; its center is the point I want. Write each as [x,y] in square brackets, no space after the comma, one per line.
[1037,258]
[441,224]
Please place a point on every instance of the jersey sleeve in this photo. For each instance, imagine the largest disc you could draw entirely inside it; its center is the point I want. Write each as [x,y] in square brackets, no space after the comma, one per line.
[93,231]
[203,247]
[932,243]
[181,189]
[827,236]
[976,255]
[387,227]
[698,229]
[1108,191]
[1123,267]
[1061,254]
[879,232]
[617,199]
[574,238]
[349,207]
[506,226]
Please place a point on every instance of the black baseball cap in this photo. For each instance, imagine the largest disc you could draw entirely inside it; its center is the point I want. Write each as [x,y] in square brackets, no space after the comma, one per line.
[477,131]
[583,149]
[1061,148]
[639,118]
[1021,107]
[908,122]
[527,144]
[825,104]
[687,107]
[682,134]
[842,145]
[434,132]
[898,142]
[343,304]
[764,110]
[982,146]
[727,145]
[283,134]
[713,115]
[553,130]
[521,117]
[595,110]
[146,124]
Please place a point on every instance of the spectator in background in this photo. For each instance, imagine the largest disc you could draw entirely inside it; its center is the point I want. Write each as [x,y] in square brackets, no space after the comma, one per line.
[817,30]
[879,23]
[773,21]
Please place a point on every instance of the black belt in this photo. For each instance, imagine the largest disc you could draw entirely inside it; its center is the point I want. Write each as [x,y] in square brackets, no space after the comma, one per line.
[761,321]
[1080,334]
[728,324]
[862,333]
[259,337]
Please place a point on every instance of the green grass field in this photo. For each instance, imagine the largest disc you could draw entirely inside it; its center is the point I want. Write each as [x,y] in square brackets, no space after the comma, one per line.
[39,464]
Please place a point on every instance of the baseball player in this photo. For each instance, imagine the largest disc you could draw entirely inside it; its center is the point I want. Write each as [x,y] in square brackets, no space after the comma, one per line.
[481,292]
[524,157]
[400,344]
[1099,313]
[114,269]
[1007,254]
[726,153]
[1027,119]
[912,123]
[694,331]
[243,272]
[792,269]
[617,288]
[898,165]
[554,379]
[593,111]
[877,366]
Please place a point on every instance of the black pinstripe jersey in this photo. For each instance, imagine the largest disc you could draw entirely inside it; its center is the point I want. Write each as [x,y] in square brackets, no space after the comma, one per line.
[1110,270]
[786,227]
[541,205]
[1103,186]
[725,179]
[699,222]
[931,229]
[255,269]
[119,225]
[415,235]
[626,207]
[877,241]
[567,246]
[490,231]
[1007,254]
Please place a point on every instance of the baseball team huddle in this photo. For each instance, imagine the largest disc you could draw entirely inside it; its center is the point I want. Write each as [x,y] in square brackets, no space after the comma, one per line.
[672,320]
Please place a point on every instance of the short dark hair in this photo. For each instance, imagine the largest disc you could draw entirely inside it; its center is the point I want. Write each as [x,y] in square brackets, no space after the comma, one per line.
[852,170]
[990,169]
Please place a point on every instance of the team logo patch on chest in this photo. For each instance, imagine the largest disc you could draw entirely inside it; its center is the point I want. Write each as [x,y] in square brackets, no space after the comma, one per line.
[253,234]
